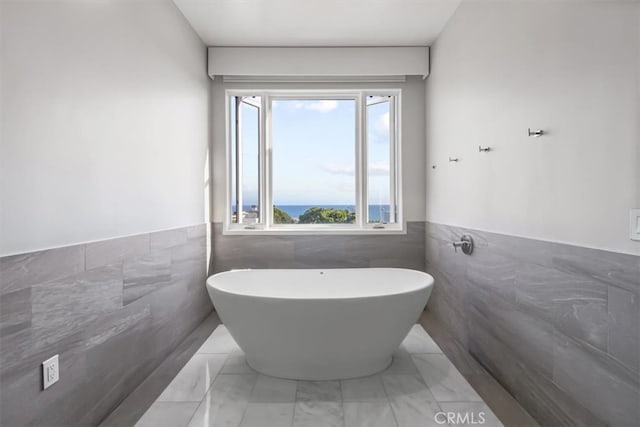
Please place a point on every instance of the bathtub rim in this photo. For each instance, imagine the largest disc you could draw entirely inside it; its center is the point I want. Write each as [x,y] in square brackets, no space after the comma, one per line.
[430,284]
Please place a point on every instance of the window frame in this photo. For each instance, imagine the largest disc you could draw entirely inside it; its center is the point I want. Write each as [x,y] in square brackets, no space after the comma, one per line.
[360,226]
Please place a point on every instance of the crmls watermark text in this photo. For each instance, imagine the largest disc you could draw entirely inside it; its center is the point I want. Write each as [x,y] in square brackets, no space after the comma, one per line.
[454,418]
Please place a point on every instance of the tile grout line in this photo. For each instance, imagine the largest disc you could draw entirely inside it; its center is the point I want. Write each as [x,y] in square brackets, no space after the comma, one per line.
[295,405]
[411,355]
[210,385]
[384,388]
[214,379]
[344,419]
[244,413]
[194,412]
[293,413]
[438,401]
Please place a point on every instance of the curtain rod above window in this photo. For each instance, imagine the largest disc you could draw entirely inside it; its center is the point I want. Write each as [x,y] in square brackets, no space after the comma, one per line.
[318,64]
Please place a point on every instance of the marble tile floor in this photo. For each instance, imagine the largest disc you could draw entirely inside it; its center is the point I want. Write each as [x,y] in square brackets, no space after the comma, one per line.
[216,387]
[131,409]
[504,405]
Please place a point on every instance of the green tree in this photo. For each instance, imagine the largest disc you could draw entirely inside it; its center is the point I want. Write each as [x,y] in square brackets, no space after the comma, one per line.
[281,217]
[318,215]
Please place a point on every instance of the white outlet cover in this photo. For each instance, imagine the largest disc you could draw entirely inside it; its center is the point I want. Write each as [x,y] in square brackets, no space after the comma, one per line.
[634,224]
[50,372]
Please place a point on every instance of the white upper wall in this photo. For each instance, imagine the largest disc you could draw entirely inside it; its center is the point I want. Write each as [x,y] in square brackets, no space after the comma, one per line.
[318,22]
[570,68]
[104,121]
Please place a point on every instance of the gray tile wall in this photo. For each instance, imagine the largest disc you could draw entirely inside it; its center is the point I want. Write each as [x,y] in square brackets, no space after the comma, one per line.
[113,310]
[557,325]
[313,251]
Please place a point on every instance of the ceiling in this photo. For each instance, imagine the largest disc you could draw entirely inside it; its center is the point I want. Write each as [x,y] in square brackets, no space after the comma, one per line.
[317,22]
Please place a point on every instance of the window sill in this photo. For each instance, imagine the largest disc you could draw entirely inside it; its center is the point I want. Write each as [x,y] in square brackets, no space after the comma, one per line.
[320,231]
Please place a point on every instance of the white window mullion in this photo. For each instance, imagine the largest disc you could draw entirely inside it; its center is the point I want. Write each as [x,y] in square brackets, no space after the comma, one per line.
[265,162]
[361,161]
[392,160]
[238,142]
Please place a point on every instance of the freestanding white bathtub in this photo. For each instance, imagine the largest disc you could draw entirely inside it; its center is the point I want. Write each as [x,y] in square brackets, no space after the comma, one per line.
[319,324]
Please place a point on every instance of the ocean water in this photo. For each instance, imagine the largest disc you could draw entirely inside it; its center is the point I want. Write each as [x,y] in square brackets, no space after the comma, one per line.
[375,211]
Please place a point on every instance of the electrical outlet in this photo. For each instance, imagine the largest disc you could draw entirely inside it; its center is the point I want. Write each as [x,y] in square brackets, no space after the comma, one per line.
[634,224]
[50,372]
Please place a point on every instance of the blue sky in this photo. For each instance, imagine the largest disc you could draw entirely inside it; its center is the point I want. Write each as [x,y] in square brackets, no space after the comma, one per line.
[314,152]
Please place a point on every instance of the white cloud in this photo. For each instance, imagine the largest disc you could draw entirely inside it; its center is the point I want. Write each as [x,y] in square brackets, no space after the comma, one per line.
[379,168]
[322,105]
[381,125]
[339,169]
[375,168]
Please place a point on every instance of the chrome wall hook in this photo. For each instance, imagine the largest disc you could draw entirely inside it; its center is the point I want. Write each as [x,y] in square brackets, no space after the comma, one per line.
[535,133]
[482,149]
[453,159]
